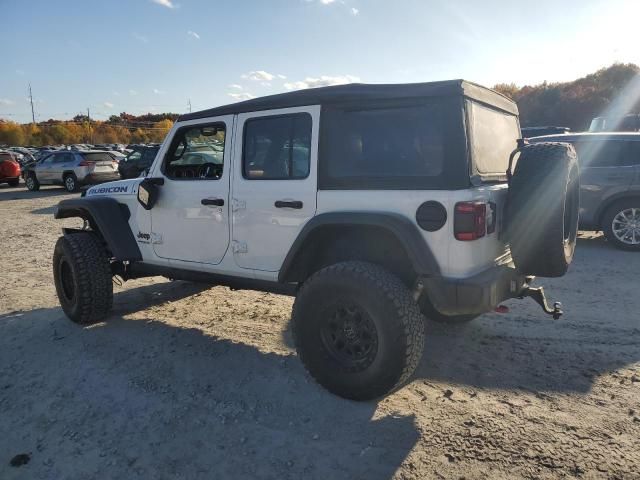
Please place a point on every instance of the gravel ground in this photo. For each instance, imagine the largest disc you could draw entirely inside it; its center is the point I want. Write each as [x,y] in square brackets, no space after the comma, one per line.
[189,382]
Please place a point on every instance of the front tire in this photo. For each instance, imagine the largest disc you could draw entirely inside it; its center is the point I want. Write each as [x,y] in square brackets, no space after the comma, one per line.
[621,225]
[82,275]
[32,182]
[357,330]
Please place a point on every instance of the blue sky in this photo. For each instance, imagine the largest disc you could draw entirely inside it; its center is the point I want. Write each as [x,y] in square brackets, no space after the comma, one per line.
[154,55]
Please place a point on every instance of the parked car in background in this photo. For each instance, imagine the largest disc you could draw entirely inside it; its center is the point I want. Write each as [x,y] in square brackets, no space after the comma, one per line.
[72,169]
[137,161]
[610,178]
[528,132]
[9,169]
[616,123]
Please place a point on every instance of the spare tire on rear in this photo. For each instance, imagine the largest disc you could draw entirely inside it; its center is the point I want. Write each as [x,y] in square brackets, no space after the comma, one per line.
[542,209]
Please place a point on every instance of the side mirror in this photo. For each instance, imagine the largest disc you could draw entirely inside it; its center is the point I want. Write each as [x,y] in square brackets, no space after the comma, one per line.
[148,192]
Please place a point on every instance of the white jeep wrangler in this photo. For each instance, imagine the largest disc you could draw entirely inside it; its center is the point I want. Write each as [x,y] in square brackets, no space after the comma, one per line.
[371,204]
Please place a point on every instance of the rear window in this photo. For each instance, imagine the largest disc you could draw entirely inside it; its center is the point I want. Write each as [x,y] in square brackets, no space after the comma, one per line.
[392,147]
[97,157]
[5,156]
[494,135]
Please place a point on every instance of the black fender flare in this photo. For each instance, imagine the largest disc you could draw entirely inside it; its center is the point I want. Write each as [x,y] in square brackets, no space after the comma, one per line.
[109,218]
[407,233]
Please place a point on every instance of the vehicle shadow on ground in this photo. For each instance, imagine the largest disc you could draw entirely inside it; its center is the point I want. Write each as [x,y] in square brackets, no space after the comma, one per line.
[158,400]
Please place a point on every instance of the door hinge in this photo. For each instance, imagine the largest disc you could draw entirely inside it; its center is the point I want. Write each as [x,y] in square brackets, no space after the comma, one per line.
[239,247]
[238,204]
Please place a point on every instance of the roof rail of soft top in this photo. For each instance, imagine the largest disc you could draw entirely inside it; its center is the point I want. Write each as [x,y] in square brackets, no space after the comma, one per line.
[362,92]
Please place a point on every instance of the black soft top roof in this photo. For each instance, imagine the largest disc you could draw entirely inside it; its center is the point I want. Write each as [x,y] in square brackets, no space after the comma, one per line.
[359,92]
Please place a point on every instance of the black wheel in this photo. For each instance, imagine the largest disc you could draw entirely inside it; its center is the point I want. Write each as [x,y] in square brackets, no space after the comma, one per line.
[82,275]
[70,182]
[430,313]
[621,224]
[542,209]
[357,330]
[14,182]
[32,182]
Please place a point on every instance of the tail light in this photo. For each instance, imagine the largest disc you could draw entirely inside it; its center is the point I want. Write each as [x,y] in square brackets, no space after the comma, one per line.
[86,163]
[470,221]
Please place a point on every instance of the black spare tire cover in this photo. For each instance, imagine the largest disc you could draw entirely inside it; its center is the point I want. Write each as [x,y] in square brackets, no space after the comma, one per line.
[542,209]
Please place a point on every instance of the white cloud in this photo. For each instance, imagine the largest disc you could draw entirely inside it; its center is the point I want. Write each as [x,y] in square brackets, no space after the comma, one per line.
[354,11]
[164,3]
[6,101]
[236,86]
[108,104]
[158,92]
[282,77]
[327,2]
[133,93]
[193,34]
[321,81]
[259,76]
[241,96]
[140,38]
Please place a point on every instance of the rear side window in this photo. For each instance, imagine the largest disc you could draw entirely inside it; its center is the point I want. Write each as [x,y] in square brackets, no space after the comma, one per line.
[494,135]
[397,147]
[607,153]
[277,148]
[5,156]
[97,157]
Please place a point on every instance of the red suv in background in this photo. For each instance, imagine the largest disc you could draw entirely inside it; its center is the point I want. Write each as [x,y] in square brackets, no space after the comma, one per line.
[9,169]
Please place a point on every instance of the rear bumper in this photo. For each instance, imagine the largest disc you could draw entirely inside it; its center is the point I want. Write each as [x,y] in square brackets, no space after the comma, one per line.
[93,178]
[475,295]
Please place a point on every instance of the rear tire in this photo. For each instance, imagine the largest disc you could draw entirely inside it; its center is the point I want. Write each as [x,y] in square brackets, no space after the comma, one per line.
[70,182]
[357,330]
[32,182]
[542,209]
[83,279]
[621,224]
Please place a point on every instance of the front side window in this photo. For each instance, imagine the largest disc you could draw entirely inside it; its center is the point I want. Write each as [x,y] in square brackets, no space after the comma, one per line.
[133,157]
[196,153]
[277,148]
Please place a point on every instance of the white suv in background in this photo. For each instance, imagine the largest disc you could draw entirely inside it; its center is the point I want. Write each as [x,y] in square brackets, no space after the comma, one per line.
[372,204]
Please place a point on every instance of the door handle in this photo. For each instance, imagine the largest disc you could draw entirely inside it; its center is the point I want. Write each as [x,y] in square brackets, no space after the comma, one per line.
[297,204]
[217,202]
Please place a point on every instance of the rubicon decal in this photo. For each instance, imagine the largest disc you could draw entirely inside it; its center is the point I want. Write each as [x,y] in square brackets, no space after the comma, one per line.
[102,190]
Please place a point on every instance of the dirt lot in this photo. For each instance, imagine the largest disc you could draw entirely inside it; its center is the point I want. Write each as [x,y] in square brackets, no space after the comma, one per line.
[188,382]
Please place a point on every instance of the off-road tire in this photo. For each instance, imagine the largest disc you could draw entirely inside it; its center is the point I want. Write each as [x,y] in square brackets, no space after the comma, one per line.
[70,182]
[14,183]
[83,279]
[31,181]
[609,216]
[542,209]
[387,305]
[430,313]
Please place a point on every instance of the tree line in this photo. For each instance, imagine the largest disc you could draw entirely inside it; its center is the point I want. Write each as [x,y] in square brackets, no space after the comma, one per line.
[123,128]
[614,90]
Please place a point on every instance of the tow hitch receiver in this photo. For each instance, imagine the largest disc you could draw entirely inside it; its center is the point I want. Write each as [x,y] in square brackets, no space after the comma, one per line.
[537,294]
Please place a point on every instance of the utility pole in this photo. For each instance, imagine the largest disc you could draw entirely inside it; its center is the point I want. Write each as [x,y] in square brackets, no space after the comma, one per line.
[89,120]
[189,105]
[33,114]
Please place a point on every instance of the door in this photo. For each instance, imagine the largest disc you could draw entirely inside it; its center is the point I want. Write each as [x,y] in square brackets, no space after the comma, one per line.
[274,183]
[43,168]
[63,162]
[190,221]
[606,169]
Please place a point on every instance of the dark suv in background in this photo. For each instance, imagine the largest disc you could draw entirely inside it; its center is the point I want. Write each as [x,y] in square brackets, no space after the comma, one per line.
[610,184]
[137,161]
